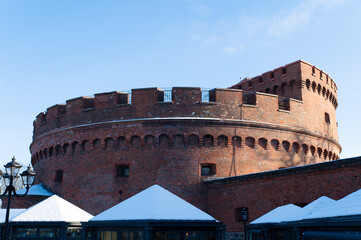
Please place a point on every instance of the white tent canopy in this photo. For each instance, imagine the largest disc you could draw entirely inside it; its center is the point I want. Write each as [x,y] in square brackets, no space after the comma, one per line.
[322,207]
[309,209]
[154,203]
[278,214]
[53,209]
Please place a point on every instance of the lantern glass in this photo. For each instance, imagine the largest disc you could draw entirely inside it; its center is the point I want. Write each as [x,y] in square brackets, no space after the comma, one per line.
[28,177]
[12,168]
[6,180]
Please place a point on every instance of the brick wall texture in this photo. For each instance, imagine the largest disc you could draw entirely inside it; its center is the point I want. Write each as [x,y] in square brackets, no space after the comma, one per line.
[282,118]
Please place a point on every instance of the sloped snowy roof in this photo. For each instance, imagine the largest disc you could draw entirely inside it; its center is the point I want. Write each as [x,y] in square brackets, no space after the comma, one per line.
[278,214]
[13,213]
[322,207]
[53,209]
[154,203]
[347,206]
[310,208]
[38,190]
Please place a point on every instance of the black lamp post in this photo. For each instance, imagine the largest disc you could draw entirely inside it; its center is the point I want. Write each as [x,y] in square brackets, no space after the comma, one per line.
[10,177]
[244,216]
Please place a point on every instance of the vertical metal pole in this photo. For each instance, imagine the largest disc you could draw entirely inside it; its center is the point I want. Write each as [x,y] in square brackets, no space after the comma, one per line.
[245,230]
[6,226]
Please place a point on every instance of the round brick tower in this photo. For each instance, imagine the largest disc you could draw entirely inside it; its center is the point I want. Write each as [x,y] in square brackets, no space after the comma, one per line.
[98,151]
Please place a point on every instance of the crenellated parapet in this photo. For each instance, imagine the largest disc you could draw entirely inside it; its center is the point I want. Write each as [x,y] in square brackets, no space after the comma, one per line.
[148,103]
[290,80]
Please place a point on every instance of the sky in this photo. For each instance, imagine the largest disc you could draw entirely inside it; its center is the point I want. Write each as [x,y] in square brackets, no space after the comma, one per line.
[51,51]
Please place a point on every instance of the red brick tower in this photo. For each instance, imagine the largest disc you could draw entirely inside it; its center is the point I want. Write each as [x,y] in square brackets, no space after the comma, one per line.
[98,151]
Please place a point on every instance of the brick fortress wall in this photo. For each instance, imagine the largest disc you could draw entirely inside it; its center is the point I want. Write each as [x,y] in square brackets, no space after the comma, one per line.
[237,132]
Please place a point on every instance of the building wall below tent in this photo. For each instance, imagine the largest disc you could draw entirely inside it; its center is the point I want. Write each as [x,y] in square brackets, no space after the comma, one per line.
[262,192]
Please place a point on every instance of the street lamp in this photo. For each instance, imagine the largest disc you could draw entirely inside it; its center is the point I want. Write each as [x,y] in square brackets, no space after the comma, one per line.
[244,216]
[10,177]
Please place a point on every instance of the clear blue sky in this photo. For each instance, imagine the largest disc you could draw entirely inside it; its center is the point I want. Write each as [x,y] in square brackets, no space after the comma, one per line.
[51,51]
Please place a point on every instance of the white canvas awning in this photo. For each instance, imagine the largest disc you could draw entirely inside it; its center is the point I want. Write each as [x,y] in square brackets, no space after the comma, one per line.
[53,209]
[277,215]
[154,203]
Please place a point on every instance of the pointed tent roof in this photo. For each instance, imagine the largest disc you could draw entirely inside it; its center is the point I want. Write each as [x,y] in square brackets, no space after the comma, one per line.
[53,209]
[306,211]
[347,206]
[154,203]
[277,215]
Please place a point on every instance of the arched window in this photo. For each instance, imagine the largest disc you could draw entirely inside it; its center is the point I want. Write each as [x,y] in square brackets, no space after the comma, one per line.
[304,149]
[109,143]
[74,147]
[296,147]
[319,151]
[57,150]
[286,145]
[275,90]
[193,140]
[313,150]
[323,91]
[45,151]
[283,88]
[65,148]
[250,141]
[275,144]
[325,154]
[164,140]
[85,145]
[327,118]
[222,141]
[237,141]
[51,149]
[179,140]
[122,142]
[308,84]
[96,144]
[262,142]
[135,141]
[319,88]
[314,86]
[208,140]
[149,141]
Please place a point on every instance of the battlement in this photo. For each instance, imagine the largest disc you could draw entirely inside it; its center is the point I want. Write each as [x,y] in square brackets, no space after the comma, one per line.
[290,81]
[154,97]
[148,103]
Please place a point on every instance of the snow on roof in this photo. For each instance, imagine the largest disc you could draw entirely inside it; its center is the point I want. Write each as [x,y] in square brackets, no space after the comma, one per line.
[154,203]
[13,213]
[322,207]
[38,190]
[310,208]
[53,209]
[347,206]
[278,214]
